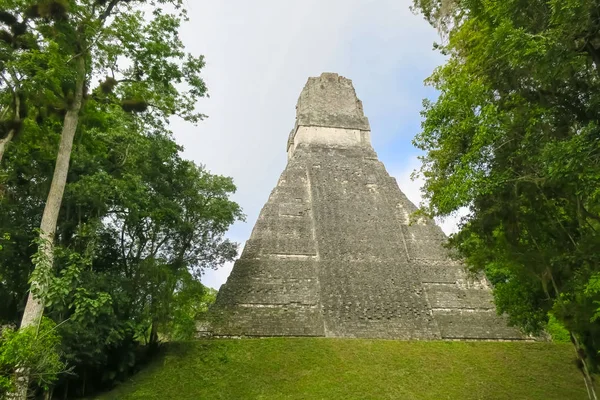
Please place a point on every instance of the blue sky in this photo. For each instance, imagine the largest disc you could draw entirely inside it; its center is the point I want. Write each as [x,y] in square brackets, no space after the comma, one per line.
[259,55]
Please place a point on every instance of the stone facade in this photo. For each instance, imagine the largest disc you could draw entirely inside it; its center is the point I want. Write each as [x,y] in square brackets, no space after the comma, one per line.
[333,253]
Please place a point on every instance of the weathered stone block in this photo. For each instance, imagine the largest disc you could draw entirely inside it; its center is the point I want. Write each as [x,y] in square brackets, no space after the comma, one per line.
[474,325]
[447,296]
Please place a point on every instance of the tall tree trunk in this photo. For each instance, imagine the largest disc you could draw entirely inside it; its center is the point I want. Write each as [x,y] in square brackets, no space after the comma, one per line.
[4,142]
[587,377]
[35,306]
[153,342]
[11,134]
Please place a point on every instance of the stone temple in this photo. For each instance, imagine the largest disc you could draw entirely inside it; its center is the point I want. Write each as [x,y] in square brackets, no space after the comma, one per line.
[333,252]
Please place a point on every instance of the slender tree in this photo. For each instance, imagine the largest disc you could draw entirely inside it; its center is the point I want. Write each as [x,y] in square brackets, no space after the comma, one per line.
[147,72]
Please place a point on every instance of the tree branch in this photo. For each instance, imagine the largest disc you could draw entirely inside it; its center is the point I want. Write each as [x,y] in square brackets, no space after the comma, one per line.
[108,11]
[7,83]
[594,54]
[589,214]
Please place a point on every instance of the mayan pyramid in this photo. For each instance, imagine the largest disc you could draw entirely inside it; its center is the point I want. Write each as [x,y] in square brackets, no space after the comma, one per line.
[333,253]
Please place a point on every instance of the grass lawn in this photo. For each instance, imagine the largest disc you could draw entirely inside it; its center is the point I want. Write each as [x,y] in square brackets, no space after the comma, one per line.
[319,368]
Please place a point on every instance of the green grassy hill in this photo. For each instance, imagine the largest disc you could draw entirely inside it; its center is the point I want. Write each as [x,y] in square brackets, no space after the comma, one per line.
[317,368]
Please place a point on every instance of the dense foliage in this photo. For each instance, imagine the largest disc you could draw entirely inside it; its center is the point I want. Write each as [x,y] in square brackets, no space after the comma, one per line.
[37,348]
[137,224]
[514,137]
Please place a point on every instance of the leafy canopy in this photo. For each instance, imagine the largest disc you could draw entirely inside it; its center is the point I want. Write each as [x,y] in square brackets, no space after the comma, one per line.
[514,137]
[138,224]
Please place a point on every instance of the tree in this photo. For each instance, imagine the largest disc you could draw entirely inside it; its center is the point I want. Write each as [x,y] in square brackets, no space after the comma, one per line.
[137,226]
[34,347]
[161,221]
[514,137]
[13,41]
[85,40]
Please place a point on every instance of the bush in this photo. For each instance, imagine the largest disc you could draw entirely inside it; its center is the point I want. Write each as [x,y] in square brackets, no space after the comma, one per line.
[34,349]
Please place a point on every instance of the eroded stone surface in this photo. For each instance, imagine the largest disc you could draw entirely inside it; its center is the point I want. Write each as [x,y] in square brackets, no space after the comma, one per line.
[333,252]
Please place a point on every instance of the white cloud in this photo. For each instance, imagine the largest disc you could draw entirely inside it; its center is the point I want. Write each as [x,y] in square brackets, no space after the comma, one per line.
[214,278]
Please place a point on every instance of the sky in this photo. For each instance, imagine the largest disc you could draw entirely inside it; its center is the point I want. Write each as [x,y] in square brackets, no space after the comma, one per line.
[259,55]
